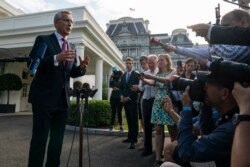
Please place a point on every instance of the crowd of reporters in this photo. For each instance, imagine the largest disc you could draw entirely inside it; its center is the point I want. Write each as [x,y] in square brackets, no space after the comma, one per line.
[200,106]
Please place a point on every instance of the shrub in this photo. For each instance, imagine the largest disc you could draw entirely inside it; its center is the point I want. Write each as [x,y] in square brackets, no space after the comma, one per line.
[98,114]
[10,82]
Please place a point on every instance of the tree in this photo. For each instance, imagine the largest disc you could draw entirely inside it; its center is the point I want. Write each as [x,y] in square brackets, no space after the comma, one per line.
[10,82]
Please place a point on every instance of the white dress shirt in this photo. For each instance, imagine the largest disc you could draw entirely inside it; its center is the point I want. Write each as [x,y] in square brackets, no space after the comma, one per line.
[59,39]
[148,90]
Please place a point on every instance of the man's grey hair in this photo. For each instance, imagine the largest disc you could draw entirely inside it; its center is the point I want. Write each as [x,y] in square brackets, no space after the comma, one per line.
[155,57]
[59,14]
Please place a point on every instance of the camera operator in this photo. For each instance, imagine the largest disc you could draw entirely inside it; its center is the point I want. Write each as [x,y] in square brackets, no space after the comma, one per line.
[215,146]
[115,98]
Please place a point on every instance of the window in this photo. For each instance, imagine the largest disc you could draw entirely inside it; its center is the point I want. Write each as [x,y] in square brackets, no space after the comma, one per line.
[124,52]
[1,68]
[24,93]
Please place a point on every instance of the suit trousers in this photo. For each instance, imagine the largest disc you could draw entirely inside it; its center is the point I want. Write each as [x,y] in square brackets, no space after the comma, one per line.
[131,113]
[116,107]
[52,122]
[147,105]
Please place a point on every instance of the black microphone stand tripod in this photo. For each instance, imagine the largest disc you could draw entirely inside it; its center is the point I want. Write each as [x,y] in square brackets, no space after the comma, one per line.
[82,108]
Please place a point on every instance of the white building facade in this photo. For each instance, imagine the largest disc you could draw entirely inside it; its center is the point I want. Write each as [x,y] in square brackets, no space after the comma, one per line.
[17,35]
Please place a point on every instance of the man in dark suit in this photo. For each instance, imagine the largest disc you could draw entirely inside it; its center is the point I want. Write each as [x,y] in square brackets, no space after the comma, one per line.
[129,98]
[49,91]
[233,35]
[230,35]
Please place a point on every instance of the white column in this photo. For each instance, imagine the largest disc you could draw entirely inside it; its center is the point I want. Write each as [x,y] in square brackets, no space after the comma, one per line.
[98,79]
[109,89]
[79,47]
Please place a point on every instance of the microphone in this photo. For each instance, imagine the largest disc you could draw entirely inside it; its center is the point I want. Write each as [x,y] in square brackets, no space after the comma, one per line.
[86,86]
[77,85]
[37,59]
[87,92]
[157,42]
[82,89]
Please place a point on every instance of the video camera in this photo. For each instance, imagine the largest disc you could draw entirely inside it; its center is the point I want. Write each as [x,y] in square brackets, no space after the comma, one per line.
[231,70]
[196,91]
[224,73]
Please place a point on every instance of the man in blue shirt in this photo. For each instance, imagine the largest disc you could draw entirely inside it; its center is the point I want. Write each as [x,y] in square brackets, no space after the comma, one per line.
[216,146]
[236,53]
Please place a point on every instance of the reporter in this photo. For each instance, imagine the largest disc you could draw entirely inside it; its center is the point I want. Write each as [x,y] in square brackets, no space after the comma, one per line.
[232,35]
[241,145]
[159,117]
[237,53]
[147,104]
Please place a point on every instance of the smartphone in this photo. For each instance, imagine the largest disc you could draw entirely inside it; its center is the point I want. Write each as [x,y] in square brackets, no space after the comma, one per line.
[179,63]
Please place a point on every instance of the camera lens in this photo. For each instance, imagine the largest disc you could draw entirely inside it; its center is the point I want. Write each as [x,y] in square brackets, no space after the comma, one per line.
[196,91]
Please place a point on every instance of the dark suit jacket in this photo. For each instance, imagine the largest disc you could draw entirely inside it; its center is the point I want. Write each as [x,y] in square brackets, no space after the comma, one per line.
[230,35]
[125,87]
[49,81]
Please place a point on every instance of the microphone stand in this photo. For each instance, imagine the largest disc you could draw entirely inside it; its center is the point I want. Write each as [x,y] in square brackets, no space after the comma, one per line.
[83,94]
[81,135]
[83,108]
[80,110]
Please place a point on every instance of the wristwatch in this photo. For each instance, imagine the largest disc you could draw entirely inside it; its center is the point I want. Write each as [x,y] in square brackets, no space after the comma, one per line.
[238,117]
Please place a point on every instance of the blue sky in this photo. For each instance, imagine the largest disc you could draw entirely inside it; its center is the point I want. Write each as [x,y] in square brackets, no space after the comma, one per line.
[163,15]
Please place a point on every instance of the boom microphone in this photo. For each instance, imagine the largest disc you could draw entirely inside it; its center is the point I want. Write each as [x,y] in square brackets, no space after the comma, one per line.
[37,59]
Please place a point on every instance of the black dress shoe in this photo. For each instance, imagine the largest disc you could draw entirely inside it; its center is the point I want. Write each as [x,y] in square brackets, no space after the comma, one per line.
[157,163]
[146,153]
[132,146]
[126,141]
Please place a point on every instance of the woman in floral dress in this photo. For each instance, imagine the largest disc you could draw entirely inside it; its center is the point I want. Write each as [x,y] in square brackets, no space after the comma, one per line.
[159,117]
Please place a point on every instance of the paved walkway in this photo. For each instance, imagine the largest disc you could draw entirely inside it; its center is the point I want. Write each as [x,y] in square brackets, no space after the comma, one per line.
[105,148]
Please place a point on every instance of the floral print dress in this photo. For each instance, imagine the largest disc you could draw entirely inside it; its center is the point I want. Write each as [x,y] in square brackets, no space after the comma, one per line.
[159,116]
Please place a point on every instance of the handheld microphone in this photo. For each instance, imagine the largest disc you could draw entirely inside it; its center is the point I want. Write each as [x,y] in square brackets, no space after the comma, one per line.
[36,61]
[157,42]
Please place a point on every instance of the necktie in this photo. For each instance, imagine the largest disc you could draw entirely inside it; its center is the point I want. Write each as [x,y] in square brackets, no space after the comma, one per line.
[64,45]
[64,48]
[127,77]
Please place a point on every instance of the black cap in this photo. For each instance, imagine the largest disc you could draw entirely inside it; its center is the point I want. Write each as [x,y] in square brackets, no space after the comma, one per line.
[215,78]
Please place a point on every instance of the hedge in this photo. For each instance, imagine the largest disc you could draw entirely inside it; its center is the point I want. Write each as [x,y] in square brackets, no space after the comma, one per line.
[97,115]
